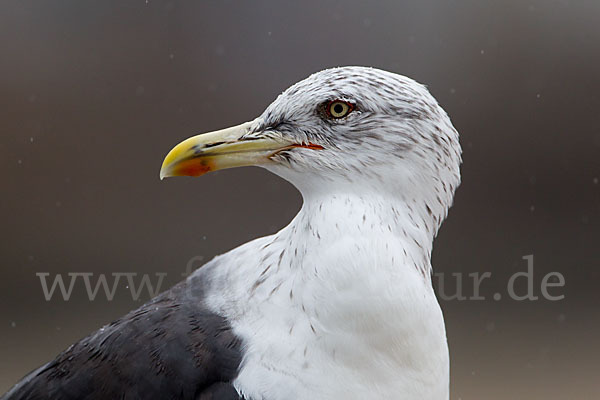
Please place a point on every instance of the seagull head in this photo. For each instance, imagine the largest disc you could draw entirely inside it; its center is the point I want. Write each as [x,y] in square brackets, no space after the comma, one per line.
[342,127]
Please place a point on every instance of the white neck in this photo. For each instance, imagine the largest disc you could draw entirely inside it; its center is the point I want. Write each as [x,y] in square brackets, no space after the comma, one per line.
[404,225]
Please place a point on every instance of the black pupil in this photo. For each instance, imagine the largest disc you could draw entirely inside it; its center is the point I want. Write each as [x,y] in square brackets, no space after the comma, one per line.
[338,108]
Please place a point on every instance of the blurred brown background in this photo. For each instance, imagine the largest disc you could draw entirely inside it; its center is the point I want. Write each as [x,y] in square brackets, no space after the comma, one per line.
[93,95]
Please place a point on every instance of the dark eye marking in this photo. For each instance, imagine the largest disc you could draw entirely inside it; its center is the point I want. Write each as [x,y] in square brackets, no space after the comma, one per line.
[336,109]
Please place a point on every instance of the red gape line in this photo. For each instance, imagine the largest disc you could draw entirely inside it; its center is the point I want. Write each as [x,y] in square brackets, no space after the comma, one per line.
[311,146]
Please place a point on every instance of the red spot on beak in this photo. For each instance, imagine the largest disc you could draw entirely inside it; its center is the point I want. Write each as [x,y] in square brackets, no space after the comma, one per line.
[192,168]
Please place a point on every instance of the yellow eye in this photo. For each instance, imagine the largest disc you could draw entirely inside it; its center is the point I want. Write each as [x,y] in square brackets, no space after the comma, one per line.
[339,109]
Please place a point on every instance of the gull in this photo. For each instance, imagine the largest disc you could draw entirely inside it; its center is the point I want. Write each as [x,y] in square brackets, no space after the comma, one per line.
[338,304]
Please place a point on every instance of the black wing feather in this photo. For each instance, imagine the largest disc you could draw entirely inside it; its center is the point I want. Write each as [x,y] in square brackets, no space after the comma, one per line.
[170,348]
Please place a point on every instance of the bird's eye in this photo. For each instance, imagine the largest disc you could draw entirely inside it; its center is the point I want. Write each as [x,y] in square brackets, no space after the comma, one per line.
[339,109]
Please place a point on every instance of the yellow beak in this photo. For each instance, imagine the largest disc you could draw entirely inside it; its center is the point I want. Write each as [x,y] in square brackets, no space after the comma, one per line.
[226,148]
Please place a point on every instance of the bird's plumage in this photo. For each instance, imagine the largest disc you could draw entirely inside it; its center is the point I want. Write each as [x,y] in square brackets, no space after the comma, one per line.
[173,347]
[339,303]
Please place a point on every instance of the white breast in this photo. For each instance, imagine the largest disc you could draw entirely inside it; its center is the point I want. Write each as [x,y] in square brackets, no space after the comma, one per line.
[333,306]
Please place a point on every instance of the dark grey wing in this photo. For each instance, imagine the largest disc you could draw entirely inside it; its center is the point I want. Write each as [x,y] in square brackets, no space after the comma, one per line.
[173,347]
